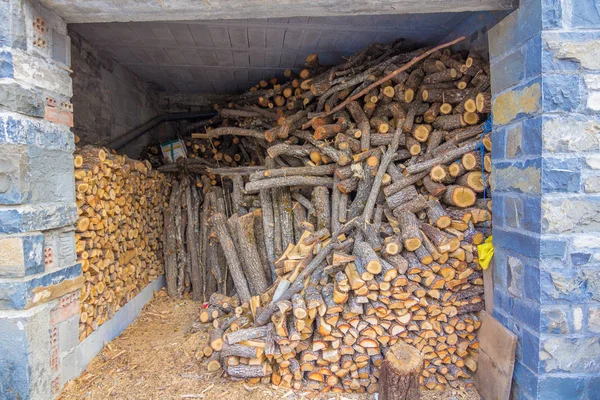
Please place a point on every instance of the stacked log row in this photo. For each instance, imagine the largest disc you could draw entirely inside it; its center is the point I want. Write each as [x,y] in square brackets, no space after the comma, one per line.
[363,212]
[119,231]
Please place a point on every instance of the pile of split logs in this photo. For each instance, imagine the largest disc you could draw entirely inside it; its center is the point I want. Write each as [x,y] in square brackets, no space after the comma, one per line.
[119,231]
[351,224]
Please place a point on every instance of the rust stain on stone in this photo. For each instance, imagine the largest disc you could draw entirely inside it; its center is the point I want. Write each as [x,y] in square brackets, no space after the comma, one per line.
[512,103]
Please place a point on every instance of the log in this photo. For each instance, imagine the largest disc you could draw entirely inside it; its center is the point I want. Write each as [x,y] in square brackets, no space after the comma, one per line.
[233,261]
[399,373]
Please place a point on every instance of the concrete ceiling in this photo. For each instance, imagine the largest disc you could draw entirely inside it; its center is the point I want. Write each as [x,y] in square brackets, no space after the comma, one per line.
[77,11]
[225,56]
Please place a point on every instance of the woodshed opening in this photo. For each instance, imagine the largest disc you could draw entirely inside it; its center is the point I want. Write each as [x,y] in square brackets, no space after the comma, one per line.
[319,186]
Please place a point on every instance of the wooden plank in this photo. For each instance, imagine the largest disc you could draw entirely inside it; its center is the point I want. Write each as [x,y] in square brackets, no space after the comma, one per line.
[488,287]
[496,361]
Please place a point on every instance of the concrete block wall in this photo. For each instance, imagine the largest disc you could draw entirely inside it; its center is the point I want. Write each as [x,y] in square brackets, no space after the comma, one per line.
[111,100]
[39,275]
[546,156]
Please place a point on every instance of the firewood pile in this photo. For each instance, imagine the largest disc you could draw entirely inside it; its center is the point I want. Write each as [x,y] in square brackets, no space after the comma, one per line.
[342,213]
[119,231]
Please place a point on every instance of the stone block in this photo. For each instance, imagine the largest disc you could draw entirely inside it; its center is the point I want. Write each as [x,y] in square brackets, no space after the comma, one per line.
[500,268]
[577,319]
[517,103]
[579,259]
[15,97]
[515,276]
[592,281]
[16,129]
[517,176]
[570,355]
[563,284]
[21,255]
[530,349]
[593,324]
[552,249]
[533,57]
[576,47]
[593,387]
[37,217]
[551,59]
[514,141]
[523,243]
[22,293]
[571,133]
[515,29]
[6,65]
[532,282]
[499,142]
[571,215]
[554,321]
[508,70]
[25,349]
[38,72]
[526,312]
[14,174]
[525,379]
[560,388]
[585,14]
[502,302]
[562,92]
[498,210]
[592,184]
[51,175]
[561,174]
[551,14]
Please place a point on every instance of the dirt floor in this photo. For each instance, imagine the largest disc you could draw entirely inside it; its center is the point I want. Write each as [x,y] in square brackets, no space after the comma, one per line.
[154,358]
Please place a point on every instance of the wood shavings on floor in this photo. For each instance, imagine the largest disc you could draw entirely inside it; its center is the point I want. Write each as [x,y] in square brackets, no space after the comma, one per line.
[155,358]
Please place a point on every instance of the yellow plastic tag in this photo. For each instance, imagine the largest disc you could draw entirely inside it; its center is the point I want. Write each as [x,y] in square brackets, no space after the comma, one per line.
[486,252]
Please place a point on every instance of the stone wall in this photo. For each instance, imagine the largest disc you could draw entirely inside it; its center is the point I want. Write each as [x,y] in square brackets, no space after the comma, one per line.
[39,276]
[546,181]
[109,99]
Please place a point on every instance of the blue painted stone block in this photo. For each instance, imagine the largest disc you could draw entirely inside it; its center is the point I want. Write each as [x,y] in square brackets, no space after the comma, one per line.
[551,14]
[37,218]
[502,300]
[518,242]
[17,293]
[561,175]
[500,268]
[526,312]
[14,374]
[585,13]
[498,142]
[508,70]
[33,249]
[578,259]
[518,176]
[532,136]
[554,321]
[531,284]
[560,388]
[530,348]
[561,92]
[552,249]
[38,133]
[6,65]
[533,57]
[525,378]
[515,29]
[593,387]
[566,284]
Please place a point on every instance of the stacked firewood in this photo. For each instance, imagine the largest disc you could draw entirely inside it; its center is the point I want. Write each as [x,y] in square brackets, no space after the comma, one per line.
[354,222]
[119,231]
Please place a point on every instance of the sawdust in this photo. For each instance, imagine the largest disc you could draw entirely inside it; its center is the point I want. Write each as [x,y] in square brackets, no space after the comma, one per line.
[154,358]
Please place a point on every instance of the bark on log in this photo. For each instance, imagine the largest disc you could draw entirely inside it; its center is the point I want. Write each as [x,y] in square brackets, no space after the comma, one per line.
[399,373]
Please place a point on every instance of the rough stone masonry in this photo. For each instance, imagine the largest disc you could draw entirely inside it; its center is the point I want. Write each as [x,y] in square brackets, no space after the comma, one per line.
[545,70]
[39,276]
[546,180]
